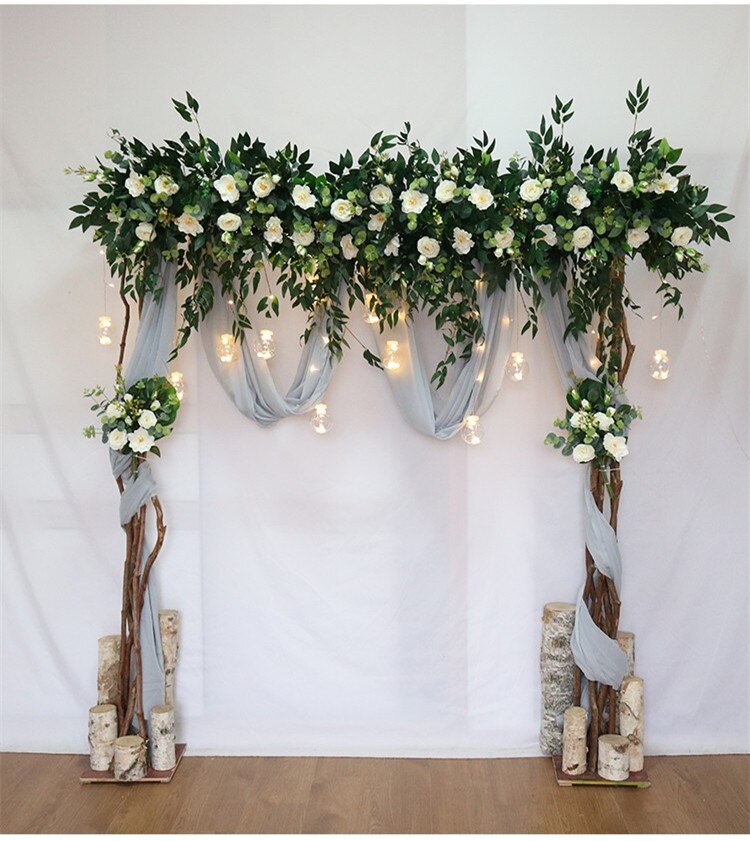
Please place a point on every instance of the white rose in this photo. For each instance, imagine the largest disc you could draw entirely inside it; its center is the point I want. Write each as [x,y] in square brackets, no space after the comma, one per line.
[303,196]
[135,186]
[531,189]
[140,441]
[583,453]
[117,439]
[263,185]
[504,239]
[462,241]
[274,231]
[147,419]
[348,248]
[665,183]
[412,201]
[603,421]
[578,198]
[380,194]
[391,249]
[623,180]
[377,220]
[275,178]
[636,237]
[303,238]
[227,188]
[229,221]
[114,410]
[164,184]
[681,236]
[188,224]
[616,446]
[145,231]
[547,234]
[342,209]
[576,420]
[446,191]
[481,197]
[428,247]
[582,237]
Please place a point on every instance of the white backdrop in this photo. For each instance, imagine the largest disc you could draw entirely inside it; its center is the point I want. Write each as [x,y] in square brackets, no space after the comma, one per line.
[371,591]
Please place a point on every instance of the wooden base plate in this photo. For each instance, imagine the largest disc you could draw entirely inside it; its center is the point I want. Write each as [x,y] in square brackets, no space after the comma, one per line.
[637,779]
[152,776]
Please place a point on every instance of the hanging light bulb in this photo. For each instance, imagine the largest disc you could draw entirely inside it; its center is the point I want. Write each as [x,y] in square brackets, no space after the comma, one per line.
[517,367]
[320,421]
[390,360]
[226,348]
[264,346]
[659,366]
[105,325]
[177,382]
[370,317]
[472,432]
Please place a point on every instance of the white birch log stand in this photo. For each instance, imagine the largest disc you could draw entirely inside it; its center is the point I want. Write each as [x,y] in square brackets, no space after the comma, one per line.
[108,673]
[130,758]
[556,664]
[169,627]
[614,757]
[102,735]
[631,719]
[162,738]
[574,741]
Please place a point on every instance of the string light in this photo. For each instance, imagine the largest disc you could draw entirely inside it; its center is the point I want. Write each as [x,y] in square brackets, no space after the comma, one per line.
[370,317]
[177,382]
[390,360]
[517,367]
[320,420]
[472,432]
[105,325]
[264,346]
[659,367]
[226,348]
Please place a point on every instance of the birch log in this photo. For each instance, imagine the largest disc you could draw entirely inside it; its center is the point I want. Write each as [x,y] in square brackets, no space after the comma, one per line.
[162,738]
[102,735]
[614,758]
[169,627]
[108,675]
[631,719]
[574,741]
[626,641]
[557,666]
[130,758]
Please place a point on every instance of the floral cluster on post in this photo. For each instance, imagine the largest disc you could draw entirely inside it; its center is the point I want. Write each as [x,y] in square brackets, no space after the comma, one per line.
[596,424]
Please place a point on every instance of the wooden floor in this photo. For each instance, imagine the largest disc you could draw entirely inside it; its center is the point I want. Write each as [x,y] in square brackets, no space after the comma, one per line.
[41,794]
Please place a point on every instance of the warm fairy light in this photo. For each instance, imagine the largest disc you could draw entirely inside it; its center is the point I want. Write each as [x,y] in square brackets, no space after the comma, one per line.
[320,420]
[226,348]
[659,366]
[177,382]
[390,360]
[517,367]
[472,432]
[370,317]
[105,325]
[264,346]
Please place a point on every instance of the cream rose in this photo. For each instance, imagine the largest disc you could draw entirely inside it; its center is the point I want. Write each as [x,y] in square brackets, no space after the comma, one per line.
[462,241]
[665,183]
[114,410]
[582,237]
[134,184]
[227,188]
[229,221]
[391,249]
[636,237]
[428,247]
[303,196]
[348,248]
[576,420]
[681,236]
[583,453]
[188,224]
[263,186]
[165,184]
[412,201]
[380,194]
[504,239]
[578,198]
[376,222]
[603,421]
[446,191]
[547,233]
[623,180]
[303,238]
[117,439]
[616,446]
[145,231]
[274,231]
[481,197]
[146,419]
[140,441]
[531,189]
[342,210]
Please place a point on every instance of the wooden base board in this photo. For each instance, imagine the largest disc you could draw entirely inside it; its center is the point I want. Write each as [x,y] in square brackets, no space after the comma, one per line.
[637,779]
[152,776]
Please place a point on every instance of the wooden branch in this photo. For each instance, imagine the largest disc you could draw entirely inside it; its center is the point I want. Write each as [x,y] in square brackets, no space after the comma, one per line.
[126,325]
[161,531]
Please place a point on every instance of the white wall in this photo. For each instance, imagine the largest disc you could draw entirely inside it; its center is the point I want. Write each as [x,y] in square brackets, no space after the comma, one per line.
[372,591]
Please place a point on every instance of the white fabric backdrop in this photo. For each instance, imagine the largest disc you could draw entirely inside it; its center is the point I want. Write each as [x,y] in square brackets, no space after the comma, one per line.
[372,591]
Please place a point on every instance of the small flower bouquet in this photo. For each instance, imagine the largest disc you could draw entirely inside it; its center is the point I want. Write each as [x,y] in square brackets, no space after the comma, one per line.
[596,424]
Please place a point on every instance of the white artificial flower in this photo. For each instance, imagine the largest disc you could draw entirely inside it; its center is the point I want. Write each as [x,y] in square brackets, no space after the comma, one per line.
[274,231]
[134,184]
[462,241]
[616,446]
[155,405]
[604,421]
[681,236]
[227,188]
[188,224]
[664,183]
[165,184]
[637,236]
[481,197]
[229,221]
[303,196]
[623,180]
[548,234]
[446,191]
[128,398]
[303,238]
[576,420]
[275,178]
[114,410]
[348,248]
[263,185]
[117,439]
[582,237]
[583,453]
[391,249]
[342,210]
[578,198]
[504,239]
[377,220]
[380,194]
[145,231]
[140,441]
[531,189]
[585,404]
[147,419]
[428,247]
[412,201]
